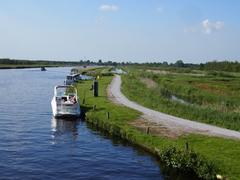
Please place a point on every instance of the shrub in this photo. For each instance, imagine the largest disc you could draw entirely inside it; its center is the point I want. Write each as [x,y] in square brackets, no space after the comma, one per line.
[188,161]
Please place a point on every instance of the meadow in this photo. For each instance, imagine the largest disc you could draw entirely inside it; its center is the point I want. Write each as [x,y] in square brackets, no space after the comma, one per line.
[206,96]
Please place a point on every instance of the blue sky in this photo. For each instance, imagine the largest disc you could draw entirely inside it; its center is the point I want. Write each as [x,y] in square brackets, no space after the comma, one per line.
[120,30]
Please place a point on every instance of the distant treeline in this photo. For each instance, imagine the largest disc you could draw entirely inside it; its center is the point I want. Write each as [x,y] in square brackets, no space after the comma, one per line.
[213,65]
[221,66]
[210,66]
[37,62]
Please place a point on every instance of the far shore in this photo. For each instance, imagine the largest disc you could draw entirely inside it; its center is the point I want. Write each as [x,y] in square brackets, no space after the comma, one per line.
[28,66]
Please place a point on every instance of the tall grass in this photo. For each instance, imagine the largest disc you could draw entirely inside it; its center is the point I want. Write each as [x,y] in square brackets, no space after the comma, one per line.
[207,107]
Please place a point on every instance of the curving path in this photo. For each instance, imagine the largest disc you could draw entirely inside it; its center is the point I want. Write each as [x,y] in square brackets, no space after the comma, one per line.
[173,123]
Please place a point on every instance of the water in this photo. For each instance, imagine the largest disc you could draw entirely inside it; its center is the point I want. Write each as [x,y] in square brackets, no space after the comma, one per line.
[175,98]
[33,145]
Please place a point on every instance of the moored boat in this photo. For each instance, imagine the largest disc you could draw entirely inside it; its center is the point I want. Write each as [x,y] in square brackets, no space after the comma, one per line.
[43,68]
[70,79]
[65,102]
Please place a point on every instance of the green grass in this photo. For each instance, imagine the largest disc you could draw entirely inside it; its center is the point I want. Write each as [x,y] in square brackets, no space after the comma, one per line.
[94,71]
[223,153]
[213,99]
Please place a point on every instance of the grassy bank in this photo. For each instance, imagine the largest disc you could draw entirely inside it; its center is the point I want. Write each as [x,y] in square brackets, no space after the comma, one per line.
[95,71]
[203,150]
[209,97]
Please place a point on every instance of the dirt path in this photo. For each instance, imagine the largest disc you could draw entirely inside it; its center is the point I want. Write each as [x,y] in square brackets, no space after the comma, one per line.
[172,123]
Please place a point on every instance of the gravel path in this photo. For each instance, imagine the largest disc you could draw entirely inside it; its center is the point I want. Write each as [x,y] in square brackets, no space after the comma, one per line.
[171,122]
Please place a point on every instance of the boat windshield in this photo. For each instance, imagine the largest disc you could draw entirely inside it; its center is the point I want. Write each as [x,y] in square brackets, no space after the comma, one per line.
[69,77]
[65,91]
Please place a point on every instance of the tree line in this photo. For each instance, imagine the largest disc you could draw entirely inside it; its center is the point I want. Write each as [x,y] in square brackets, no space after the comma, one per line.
[221,66]
[6,61]
[213,65]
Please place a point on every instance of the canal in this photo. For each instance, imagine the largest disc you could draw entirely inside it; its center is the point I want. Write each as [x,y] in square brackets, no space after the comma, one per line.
[33,145]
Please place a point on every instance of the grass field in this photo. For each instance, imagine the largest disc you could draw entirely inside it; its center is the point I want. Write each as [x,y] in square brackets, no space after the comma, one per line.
[223,153]
[209,97]
[94,70]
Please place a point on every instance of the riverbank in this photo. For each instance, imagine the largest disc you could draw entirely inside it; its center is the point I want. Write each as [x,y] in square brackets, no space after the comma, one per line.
[206,156]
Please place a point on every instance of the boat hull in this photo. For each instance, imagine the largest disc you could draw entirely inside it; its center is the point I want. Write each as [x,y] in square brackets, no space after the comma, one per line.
[67,111]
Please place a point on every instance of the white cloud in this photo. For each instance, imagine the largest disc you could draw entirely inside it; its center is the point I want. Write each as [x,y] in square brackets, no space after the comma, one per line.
[209,27]
[205,26]
[108,8]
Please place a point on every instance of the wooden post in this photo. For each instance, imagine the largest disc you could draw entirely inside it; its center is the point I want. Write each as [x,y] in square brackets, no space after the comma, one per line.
[108,115]
[95,88]
[97,125]
[84,96]
[83,100]
[186,146]
[148,130]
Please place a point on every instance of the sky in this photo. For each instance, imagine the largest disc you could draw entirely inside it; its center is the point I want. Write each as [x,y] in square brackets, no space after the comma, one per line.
[194,31]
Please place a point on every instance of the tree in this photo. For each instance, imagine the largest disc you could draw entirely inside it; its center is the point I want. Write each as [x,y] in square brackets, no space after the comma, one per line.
[165,63]
[179,63]
[99,61]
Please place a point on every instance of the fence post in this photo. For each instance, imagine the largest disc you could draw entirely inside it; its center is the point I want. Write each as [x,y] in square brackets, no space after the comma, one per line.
[95,88]
[108,115]
[186,146]
[148,130]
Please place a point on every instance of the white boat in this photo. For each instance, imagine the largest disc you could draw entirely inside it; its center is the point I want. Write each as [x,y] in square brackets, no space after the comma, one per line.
[70,79]
[65,102]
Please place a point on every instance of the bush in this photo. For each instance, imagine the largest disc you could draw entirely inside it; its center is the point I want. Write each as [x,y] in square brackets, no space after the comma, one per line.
[188,161]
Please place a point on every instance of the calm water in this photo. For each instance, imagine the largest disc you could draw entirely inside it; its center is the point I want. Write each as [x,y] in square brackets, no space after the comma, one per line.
[33,145]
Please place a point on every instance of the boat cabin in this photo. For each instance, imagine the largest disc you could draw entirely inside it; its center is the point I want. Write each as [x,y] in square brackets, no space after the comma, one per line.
[70,79]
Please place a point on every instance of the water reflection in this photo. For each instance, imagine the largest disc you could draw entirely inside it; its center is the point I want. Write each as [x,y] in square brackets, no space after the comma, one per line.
[175,98]
[64,128]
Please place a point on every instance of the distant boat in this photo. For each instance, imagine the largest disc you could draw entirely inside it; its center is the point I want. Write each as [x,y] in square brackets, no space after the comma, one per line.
[74,71]
[43,69]
[85,77]
[65,102]
[70,79]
